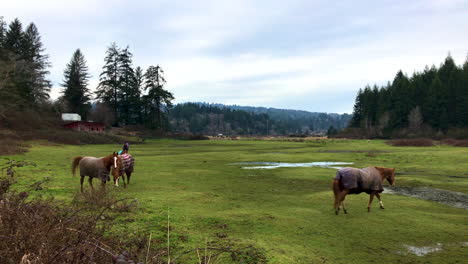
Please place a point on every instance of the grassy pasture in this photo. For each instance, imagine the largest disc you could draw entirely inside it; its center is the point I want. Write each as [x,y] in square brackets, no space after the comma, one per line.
[287,212]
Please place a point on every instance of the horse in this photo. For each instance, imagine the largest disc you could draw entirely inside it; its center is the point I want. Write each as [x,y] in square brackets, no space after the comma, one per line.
[125,165]
[96,168]
[354,181]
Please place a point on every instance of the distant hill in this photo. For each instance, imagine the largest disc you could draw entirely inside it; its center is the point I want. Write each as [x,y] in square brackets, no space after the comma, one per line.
[208,118]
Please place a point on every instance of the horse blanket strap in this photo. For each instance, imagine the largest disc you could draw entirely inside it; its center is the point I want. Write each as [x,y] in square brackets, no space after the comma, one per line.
[360,180]
[127,163]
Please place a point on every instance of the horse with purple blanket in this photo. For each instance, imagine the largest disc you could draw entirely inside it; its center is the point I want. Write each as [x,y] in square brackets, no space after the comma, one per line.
[354,181]
[125,164]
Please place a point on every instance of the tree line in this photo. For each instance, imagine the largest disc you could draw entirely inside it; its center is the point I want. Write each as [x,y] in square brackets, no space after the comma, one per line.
[432,101]
[126,95]
[214,119]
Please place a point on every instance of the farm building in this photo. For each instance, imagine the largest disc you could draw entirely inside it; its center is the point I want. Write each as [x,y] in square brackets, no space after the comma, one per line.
[71,117]
[85,126]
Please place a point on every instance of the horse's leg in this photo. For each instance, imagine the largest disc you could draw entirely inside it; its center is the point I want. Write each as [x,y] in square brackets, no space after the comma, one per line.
[344,208]
[81,182]
[123,179]
[341,197]
[380,201]
[371,197]
[90,180]
[128,177]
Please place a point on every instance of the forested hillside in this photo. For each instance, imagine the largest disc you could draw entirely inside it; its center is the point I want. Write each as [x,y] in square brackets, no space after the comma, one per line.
[212,119]
[428,102]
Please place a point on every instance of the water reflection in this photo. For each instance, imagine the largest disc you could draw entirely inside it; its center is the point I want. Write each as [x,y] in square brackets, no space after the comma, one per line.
[275,165]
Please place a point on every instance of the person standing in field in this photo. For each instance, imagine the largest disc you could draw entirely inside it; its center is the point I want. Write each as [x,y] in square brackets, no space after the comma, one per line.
[125,148]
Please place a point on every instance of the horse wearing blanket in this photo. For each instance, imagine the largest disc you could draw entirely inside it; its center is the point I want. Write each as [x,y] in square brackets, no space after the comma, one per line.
[354,181]
[126,162]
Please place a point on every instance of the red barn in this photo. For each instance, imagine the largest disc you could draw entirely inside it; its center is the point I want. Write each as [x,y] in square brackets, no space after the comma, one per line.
[85,126]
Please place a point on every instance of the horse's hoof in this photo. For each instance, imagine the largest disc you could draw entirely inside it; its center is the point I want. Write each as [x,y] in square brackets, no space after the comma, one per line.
[336,212]
[381,207]
[345,211]
[368,209]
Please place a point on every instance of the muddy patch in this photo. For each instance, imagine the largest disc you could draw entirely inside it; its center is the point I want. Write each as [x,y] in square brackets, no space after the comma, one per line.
[276,165]
[455,199]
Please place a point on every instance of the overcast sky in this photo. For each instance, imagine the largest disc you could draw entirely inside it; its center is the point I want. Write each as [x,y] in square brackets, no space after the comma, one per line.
[295,54]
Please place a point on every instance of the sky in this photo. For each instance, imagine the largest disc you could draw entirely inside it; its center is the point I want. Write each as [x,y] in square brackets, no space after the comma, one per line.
[296,54]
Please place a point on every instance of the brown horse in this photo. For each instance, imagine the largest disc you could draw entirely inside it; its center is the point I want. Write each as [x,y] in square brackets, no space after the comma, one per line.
[354,181]
[96,168]
[125,164]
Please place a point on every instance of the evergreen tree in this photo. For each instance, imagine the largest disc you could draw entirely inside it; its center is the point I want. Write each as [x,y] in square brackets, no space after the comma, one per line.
[463,109]
[357,111]
[25,49]
[14,37]
[109,82]
[158,99]
[127,87]
[76,92]
[33,52]
[400,101]
[3,30]
[136,102]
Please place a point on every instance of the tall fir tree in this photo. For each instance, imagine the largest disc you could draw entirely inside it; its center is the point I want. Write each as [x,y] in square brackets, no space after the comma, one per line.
[75,83]
[126,86]
[3,30]
[33,52]
[357,111]
[158,99]
[109,82]
[14,37]
[135,99]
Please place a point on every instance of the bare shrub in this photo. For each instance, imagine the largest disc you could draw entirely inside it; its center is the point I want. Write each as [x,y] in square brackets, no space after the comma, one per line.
[12,147]
[455,142]
[415,142]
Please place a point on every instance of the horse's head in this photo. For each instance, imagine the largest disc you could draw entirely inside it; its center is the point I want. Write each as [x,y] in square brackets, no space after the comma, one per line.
[115,167]
[388,174]
[391,176]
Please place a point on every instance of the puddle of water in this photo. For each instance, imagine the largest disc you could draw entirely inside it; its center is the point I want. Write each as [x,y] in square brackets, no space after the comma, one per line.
[275,165]
[455,199]
[422,251]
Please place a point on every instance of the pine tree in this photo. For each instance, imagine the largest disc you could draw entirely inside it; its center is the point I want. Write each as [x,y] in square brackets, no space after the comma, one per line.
[14,37]
[158,99]
[26,50]
[76,92]
[357,111]
[135,98]
[109,85]
[33,52]
[126,86]
[3,30]
[436,105]
[463,109]
[401,102]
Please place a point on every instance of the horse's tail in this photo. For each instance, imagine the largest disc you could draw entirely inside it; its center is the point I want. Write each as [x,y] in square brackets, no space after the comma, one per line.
[336,183]
[336,187]
[75,162]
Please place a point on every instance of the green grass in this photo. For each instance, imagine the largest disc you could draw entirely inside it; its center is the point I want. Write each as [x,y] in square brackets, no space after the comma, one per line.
[287,211]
